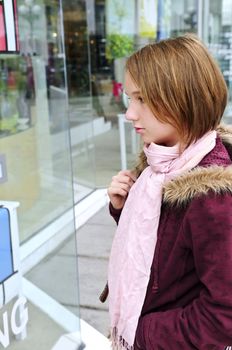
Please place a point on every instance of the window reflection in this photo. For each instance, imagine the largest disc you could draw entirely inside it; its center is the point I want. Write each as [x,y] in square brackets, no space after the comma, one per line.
[218,36]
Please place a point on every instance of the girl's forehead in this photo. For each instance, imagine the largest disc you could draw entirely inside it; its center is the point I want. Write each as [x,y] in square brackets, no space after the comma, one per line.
[130,85]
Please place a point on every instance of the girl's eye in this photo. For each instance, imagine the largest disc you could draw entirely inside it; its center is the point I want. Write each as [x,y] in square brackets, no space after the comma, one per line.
[140,99]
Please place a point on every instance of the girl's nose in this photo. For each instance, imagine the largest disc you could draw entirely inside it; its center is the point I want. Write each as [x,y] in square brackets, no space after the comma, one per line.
[131,114]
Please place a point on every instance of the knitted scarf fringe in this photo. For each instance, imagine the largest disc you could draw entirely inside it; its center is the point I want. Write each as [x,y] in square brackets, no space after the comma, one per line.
[117,341]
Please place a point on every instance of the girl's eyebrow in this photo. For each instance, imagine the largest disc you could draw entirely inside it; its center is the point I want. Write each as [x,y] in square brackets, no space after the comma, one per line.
[136,92]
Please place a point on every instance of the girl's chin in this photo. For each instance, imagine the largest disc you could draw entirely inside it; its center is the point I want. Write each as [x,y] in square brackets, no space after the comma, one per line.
[145,139]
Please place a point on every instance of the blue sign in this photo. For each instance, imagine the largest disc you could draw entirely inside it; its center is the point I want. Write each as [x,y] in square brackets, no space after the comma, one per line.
[6,257]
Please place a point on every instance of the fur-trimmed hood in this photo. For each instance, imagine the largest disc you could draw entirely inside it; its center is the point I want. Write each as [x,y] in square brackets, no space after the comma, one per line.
[201,180]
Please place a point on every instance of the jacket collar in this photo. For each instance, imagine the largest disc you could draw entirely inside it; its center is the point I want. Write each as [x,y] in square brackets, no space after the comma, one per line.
[213,174]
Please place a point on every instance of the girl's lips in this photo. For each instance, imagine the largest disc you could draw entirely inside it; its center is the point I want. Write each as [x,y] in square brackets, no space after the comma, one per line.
[139,130]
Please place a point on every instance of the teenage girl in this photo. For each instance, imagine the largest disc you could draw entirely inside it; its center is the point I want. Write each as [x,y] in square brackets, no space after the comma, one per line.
[170,269]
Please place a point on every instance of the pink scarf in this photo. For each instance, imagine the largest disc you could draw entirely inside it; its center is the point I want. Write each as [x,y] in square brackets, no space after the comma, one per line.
[135,239]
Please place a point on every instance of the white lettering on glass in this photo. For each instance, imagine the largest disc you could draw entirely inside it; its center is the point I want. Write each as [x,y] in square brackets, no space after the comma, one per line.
[19,319]
[17,329]
[4,336]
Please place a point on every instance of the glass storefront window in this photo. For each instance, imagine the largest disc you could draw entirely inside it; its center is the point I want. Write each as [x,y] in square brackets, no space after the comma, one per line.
[83,120]
[217,33]
[183,16]
[34,129]
[35,153]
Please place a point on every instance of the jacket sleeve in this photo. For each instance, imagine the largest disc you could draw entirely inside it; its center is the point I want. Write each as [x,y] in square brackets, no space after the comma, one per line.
[206,323]
[115,213]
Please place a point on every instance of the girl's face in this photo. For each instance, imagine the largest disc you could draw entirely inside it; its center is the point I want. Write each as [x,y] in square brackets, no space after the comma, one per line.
[144,121]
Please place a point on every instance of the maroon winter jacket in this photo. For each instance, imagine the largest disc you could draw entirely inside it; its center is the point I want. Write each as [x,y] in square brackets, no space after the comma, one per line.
[188,303]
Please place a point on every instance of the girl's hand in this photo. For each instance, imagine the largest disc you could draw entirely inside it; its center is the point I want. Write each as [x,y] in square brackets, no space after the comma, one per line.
[120,187]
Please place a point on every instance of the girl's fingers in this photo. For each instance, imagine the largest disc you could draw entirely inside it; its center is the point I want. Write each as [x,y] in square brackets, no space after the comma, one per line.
[129,174]
[117,192]
[122,178]
[120,187]
[123,186]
